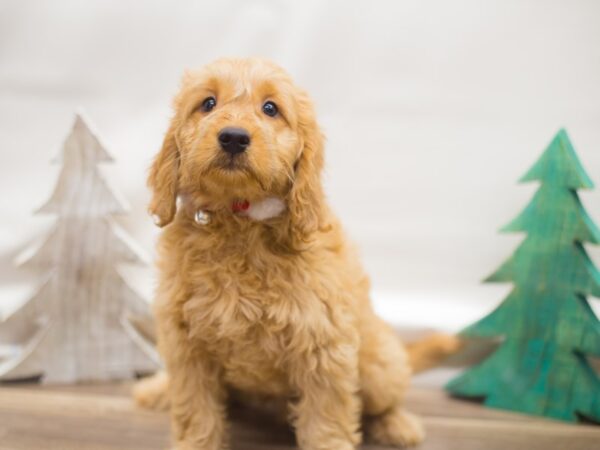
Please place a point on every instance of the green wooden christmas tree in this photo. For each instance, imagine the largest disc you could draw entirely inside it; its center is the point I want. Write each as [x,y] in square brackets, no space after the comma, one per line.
[547,326]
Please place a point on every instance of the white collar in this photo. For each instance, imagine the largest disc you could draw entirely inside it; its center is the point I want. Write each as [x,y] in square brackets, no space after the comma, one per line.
[264,209]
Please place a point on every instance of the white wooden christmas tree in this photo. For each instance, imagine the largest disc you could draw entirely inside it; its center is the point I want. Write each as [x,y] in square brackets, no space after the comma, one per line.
[80,324]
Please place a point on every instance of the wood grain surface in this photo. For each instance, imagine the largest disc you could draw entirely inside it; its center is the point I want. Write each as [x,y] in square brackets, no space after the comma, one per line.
[79,325]
[103,417]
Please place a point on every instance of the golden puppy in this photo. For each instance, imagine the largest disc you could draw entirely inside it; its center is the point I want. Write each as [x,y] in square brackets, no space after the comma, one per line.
[260,291]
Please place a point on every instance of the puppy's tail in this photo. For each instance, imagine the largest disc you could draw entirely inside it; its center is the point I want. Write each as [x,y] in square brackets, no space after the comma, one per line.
[432,350]
[153,392]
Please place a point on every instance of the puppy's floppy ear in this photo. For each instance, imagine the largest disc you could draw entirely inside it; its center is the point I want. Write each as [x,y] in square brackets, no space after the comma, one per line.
[306,197]
[162,180]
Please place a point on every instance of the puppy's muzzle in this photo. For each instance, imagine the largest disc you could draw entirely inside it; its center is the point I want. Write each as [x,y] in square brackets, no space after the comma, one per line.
[234,140]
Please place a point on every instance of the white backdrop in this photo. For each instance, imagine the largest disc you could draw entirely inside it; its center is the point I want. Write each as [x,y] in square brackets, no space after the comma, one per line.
[432,109]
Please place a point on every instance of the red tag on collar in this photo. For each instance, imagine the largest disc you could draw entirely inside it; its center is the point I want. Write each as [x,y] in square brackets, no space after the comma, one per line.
[240,206]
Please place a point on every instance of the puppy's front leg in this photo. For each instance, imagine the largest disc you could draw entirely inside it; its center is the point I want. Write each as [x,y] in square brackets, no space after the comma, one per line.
[197,394]
[327,415]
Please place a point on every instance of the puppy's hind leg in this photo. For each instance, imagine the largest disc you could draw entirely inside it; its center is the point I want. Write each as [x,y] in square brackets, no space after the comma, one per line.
[384,376]
[153,392]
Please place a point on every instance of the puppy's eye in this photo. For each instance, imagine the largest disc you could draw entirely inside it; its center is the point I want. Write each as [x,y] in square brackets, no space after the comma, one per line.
[208,104]
[270,109]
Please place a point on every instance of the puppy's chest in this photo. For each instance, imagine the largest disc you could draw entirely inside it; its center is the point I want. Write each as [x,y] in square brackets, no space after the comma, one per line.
[257,311]
[253,359]
[247,321]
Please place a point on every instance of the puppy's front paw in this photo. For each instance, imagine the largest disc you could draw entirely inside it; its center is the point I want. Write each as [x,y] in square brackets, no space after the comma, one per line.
[397,428]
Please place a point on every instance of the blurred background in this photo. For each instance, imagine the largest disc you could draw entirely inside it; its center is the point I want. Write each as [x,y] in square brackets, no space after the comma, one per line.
[432,110]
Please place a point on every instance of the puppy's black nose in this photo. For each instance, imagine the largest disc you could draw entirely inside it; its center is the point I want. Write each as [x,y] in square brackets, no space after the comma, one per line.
[234,140]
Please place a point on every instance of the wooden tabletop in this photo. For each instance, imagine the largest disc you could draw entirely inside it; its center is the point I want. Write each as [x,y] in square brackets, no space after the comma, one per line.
[103,417]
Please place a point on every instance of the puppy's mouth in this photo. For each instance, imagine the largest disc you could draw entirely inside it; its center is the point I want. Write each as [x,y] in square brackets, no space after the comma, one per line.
[236,166]
[233,170]
[231,163]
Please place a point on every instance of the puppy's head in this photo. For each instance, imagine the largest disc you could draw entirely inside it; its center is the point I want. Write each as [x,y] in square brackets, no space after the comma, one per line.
[241,131]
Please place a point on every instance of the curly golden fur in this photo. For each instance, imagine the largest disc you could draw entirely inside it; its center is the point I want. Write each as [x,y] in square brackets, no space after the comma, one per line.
[277,308]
